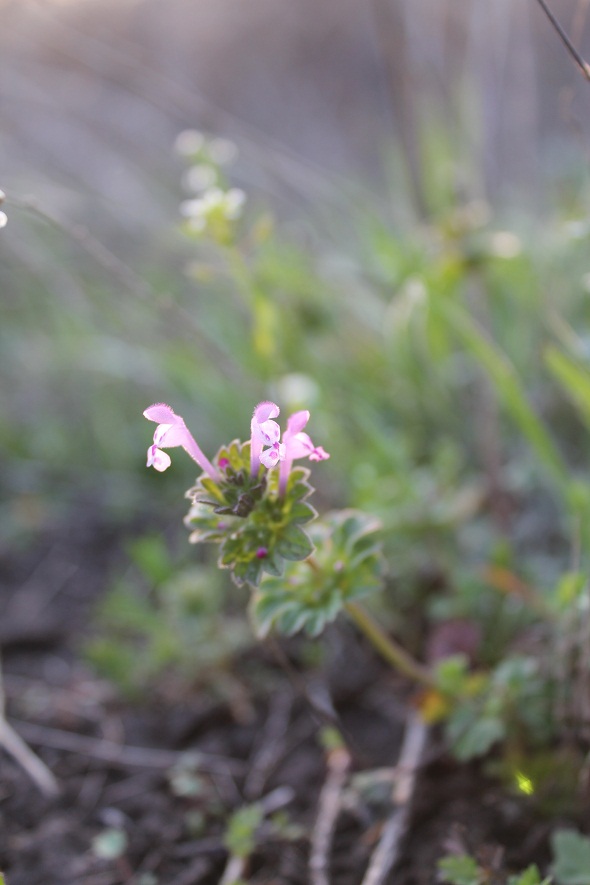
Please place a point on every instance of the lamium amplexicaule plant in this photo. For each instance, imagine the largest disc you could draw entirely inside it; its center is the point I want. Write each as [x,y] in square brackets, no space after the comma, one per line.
[252,500]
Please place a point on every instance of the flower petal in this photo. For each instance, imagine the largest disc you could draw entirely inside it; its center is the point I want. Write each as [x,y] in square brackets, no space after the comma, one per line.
[272,456]
[298,446]
[319,454]
[162,414]
[297,421]
[167,436]
[264,411]
[267,432]
[158,459]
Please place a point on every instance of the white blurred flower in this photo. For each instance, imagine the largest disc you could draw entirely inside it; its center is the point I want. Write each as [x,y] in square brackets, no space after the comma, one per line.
[199,178]
[189,142]
[3,219]
[214,203]
[234,202]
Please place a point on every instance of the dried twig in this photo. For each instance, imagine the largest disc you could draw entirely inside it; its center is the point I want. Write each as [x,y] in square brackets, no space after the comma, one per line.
[339,761]
[35,767]
[123,755]
[386,854]
[581,63]
[16,747]
[271,746]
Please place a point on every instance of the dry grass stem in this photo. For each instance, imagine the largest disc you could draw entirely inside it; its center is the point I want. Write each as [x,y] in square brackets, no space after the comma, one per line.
[328,809]
[386,853]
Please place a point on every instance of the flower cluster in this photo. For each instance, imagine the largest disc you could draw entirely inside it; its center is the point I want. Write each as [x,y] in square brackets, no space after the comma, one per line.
[296,444]
[214,210]
[172,432]
[254,512]
[216,206]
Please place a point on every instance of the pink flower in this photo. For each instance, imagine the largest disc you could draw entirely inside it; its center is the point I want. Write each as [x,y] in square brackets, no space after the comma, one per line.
[265,432]
[171,432]
[297,445]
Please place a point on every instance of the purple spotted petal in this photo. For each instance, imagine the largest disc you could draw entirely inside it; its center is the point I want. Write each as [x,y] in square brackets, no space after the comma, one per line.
[298,446]
[271,457]
[319,454]
[158,459]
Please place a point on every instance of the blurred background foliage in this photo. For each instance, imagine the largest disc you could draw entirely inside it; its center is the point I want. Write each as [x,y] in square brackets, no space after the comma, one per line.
[411,265]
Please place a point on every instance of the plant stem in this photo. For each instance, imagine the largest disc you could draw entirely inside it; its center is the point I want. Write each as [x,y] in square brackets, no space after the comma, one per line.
[581,62]
[387,647]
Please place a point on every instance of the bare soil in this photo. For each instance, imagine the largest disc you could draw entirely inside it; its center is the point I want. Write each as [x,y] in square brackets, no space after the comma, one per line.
[123,765]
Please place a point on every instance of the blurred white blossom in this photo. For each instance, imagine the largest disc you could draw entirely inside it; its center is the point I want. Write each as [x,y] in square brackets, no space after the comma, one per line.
[214,212]
[199,178]
[189,142]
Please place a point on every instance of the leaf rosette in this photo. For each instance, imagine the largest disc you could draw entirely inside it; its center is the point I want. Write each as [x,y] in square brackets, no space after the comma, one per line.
[256,527]
[347,565]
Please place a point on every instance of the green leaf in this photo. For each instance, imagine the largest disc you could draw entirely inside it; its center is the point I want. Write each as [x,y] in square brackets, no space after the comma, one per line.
[240,836]
[474,738]
[530,876]
[346,565]
[452,673]
[302,513]
[294,544]
[212,489]
[574,379]
[462,870]
[572,857]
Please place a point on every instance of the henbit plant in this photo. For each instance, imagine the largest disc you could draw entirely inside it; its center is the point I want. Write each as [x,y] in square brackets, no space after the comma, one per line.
[253,503]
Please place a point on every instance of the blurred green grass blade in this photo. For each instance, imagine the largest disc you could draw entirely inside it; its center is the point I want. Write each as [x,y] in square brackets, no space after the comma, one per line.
[508,388]
[574,380]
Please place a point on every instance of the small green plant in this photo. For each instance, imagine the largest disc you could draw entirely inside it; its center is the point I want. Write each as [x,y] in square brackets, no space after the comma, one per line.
[571,865]
[252,502]
[240,835]
[571,853]
[465,870]
[163,616]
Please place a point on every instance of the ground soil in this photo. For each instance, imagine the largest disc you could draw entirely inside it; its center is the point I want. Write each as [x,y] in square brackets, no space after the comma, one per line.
[123,765]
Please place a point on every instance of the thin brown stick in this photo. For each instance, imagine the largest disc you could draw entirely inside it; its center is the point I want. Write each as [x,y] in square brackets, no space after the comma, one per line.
[580,62]
[271,745]
[386,853]
[121,754]
[39,773]
[339,762]
[14,745]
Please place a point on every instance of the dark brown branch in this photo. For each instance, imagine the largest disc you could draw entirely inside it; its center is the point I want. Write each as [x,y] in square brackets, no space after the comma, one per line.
[581,63]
